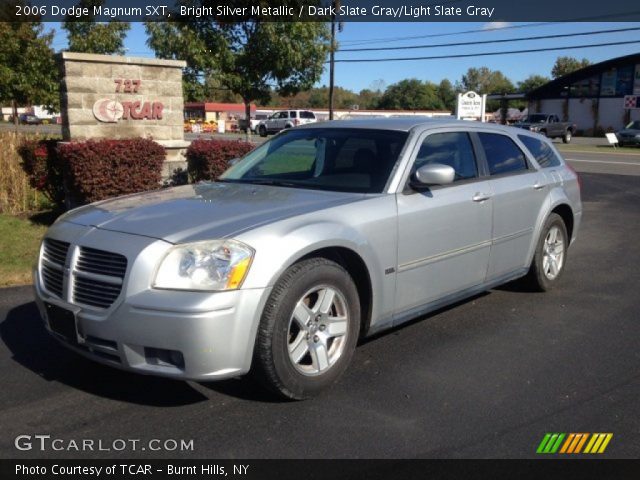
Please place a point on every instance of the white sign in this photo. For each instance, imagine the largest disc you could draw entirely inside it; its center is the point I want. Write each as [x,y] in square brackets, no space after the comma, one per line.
[470,105]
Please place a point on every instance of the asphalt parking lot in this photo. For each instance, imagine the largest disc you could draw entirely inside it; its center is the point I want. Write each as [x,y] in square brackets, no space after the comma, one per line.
[487,377]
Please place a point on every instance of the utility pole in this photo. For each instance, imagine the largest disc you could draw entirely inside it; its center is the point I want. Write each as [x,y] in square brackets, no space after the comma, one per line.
[335,6]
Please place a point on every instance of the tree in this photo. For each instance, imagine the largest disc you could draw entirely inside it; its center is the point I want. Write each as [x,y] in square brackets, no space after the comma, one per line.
[252,58]
[447,95]
[91,37]
[484,80]
[531,83]
[28,73]
[566,65]
[411,94]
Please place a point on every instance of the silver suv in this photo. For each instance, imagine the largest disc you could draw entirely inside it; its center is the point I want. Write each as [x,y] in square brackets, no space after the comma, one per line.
[320,236]
[285,119]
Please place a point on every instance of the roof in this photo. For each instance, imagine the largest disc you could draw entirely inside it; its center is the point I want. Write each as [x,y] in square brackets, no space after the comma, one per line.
[551,88]
[403,124]
[219,107]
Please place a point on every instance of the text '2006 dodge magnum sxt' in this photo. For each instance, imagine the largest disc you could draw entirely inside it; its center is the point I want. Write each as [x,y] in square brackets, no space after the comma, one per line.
[322,235]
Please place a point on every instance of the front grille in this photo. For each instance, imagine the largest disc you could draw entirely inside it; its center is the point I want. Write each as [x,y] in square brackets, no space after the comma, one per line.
[103,291]
[89,291]
[96,275]
[54,256]
[101,262]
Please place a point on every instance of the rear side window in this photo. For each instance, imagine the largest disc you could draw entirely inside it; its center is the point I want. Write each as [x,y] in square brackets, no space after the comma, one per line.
[542,152]
[305,114]
[293,114]
[503,155]
[451,148]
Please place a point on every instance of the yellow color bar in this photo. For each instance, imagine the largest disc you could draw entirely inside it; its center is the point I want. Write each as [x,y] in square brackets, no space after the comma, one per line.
[591,442]
[599,440]
[606,441]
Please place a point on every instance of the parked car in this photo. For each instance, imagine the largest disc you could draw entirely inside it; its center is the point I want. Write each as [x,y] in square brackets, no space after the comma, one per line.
[253,122]
[548,125]
[321,235]
[629,135]
[285,119]
[29,119]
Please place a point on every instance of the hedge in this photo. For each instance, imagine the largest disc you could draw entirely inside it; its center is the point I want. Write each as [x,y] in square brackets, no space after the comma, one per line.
[96,170]
[208,159]
[43,168]
[85,172]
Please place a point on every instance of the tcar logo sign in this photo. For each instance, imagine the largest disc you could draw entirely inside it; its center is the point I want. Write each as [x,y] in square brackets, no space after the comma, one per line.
[107,110]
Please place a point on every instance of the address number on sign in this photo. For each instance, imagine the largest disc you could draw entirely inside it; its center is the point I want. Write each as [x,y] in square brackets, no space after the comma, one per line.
[127,86]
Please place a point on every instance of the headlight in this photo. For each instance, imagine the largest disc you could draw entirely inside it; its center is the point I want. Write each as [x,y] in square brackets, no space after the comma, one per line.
[535,129]
[209,265]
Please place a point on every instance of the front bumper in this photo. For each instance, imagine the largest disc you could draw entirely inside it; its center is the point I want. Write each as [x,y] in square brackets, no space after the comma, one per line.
[215,342]
[146,330]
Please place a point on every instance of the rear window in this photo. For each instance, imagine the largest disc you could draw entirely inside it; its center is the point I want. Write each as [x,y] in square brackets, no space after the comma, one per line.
[542,152]
[306,114]
[503,155]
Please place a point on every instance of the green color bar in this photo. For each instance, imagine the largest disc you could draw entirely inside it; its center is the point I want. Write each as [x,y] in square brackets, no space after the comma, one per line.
[558,442]
[543,443]
[550,444]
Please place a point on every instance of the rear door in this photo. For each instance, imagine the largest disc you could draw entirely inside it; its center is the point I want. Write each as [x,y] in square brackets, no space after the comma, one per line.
[519,191]
[444,232]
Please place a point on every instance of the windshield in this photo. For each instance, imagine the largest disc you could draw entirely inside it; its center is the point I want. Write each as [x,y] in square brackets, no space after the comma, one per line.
[536,118]
[345,159]
[634,125]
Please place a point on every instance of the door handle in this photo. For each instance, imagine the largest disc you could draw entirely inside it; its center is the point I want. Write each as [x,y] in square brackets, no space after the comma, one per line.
[481,197]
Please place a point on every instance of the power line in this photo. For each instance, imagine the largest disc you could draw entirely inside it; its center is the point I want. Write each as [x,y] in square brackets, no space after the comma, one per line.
[485,54]
[434,35]
[504,40]
[485,29]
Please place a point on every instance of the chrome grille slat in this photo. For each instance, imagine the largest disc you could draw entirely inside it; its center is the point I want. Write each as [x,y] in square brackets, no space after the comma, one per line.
[54,256]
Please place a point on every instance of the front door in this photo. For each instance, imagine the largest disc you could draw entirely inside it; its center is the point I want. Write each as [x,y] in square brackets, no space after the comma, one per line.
[444,232]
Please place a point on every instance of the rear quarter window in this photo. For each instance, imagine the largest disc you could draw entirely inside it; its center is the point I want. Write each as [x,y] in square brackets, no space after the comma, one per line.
[544,155]
[307,115]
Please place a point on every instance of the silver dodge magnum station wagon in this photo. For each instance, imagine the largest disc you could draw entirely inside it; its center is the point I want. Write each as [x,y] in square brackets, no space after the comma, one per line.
[322,235]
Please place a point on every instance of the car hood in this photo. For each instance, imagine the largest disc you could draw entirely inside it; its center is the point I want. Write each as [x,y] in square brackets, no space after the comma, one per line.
[629,132]
[203,211]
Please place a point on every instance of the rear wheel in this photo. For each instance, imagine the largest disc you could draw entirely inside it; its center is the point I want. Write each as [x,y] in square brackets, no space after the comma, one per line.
[550,255]
[308,330]
[262,130]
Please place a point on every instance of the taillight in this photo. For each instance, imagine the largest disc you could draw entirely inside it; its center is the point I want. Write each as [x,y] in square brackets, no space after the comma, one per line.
[576,174]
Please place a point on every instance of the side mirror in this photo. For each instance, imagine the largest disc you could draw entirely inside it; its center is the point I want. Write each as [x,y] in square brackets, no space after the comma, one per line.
[433,174]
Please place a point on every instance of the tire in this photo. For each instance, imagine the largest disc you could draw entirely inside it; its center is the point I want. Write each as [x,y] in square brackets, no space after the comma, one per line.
[543,133]
[299,362]
[566,138]
[542,275]
[262,130]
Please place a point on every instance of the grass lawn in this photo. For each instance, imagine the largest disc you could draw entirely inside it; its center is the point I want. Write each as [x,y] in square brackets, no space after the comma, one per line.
[19,242]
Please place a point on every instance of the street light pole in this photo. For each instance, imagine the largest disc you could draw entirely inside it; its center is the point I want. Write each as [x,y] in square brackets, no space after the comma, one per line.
[332,61]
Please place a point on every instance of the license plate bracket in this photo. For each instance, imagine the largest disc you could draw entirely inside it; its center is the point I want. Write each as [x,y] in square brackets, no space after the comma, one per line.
[62,322]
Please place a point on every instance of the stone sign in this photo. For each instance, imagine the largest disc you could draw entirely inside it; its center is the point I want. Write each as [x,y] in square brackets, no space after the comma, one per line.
[106,96]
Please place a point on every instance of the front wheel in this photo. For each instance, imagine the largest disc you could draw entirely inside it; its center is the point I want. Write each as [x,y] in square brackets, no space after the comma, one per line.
[262,130]
[308,330]
[566,138]
[550,255]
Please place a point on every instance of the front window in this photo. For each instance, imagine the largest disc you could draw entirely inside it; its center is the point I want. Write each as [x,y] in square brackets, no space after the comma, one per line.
[352,160]
[634,125]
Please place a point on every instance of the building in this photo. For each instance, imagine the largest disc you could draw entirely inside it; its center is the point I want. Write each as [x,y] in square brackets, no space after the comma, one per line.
[215,111]
[596,98]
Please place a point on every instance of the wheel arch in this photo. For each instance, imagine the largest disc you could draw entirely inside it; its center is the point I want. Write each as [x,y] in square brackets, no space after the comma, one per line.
[355,265]
[566,213]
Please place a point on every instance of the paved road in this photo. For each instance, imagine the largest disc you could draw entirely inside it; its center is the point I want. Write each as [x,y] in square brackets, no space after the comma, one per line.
[607,162]
[485,378]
